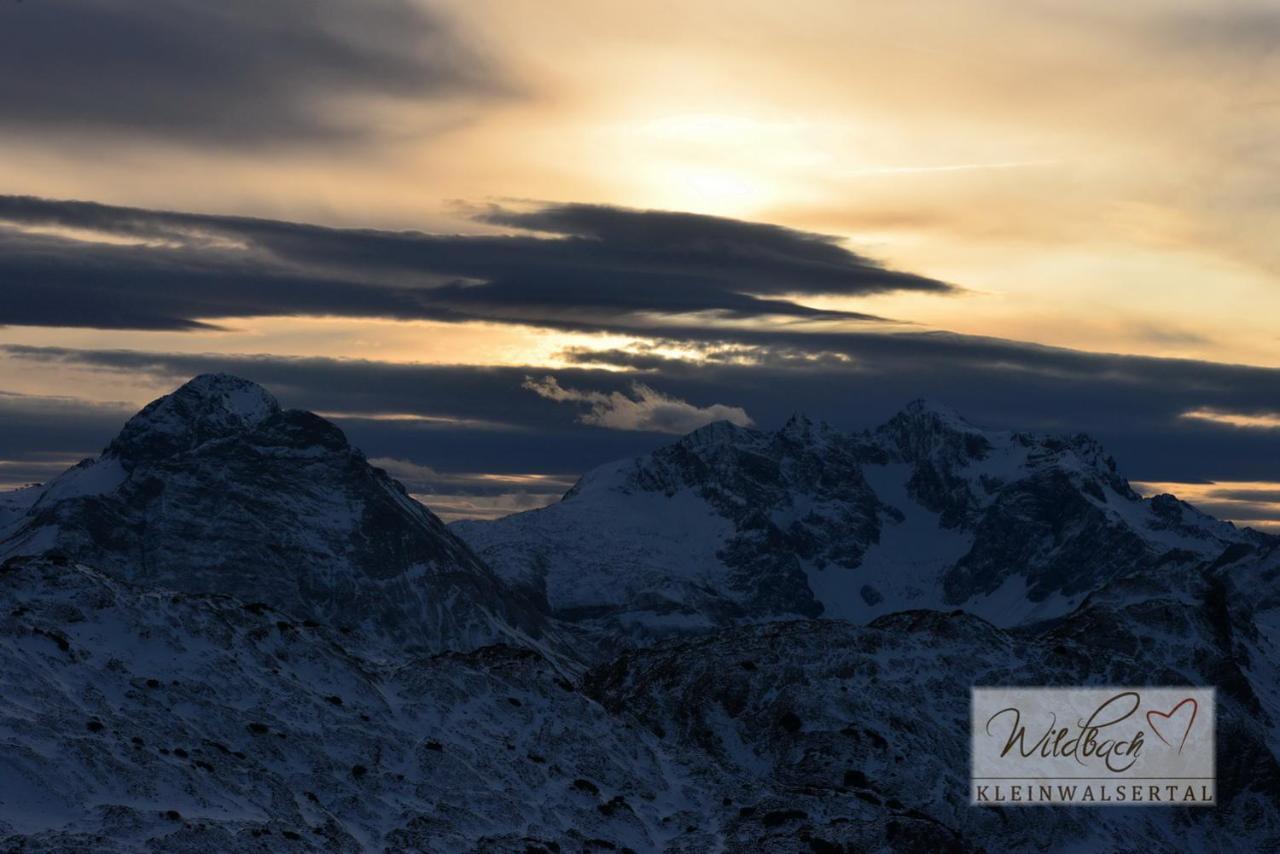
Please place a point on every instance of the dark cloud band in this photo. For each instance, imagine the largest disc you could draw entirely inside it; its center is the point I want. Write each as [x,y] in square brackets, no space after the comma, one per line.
[238,72]
[1134,405]
[608,269]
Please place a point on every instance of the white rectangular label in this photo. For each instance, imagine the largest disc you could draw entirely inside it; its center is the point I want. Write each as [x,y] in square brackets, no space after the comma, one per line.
[1103,746]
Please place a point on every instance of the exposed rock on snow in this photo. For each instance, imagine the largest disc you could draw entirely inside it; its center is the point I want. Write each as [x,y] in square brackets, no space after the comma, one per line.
[732,525]
[857,736]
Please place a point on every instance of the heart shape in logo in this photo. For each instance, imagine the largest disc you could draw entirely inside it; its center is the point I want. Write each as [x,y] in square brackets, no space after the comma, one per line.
[1169,724]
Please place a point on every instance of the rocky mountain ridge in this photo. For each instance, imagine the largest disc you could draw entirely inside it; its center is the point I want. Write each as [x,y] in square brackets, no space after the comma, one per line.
[731,525]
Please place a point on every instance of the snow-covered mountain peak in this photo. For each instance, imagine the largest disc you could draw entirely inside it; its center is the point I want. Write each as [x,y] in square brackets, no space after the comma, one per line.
[236,395]
[923,430]
[209,407]
[798,426]
[214,489]
[932,416]
[926,511]
[803,431]
[1077,450]
[718,433]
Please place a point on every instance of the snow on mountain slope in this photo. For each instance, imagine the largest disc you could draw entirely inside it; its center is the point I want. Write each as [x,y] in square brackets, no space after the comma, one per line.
[856,737]
[216,489]
[15,503]
[679,540]
[141,719]
[660,578]
[927,511]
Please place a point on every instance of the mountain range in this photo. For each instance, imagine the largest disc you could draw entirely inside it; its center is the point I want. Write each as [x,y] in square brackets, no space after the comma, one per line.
[230,631]
[733,525]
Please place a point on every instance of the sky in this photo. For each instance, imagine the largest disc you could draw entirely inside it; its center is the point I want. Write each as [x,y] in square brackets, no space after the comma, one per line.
[502,242]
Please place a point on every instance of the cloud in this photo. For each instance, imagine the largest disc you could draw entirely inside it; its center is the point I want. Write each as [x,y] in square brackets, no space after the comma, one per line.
[761,258]
[423,478]
[42,436]
[1244,33]
[644,409]
[542,436]
[476,495]
[419,420]
[91,265]
[1249,421]
[233,72]
[454,506]
[696,355]
[1256,504]
[34,468]
[1132,404]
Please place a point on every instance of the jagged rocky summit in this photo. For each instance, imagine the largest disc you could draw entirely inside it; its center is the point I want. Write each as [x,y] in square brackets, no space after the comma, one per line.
[216,489]
[732,525]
